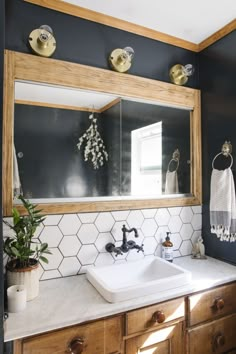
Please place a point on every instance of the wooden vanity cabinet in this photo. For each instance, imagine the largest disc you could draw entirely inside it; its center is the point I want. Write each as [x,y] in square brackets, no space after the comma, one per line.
[203,323]
[211,321]
[99,337]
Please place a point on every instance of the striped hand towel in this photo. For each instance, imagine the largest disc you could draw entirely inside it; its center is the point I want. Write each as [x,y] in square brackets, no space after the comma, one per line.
[223,205]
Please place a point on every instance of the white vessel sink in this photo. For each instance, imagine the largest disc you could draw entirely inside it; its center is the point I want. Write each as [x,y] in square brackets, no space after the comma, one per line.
[125,281]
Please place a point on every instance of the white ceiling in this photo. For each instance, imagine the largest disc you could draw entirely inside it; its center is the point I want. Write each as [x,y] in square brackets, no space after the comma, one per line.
[191,20]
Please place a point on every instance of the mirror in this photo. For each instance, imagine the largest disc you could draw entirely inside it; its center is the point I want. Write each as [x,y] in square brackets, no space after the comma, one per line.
[139,139]
[150,149]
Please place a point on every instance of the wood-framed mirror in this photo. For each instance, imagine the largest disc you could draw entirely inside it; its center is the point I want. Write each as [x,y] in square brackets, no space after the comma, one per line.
[134,97]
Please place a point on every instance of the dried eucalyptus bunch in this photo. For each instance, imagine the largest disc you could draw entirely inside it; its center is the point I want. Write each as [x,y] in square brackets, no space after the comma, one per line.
[94,147]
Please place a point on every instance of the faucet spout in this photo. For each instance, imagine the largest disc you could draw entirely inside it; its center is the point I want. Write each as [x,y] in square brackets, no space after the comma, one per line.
[124,230]
[128,245]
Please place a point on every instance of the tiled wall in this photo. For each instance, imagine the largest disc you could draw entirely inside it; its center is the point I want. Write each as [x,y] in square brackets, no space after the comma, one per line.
[77,241]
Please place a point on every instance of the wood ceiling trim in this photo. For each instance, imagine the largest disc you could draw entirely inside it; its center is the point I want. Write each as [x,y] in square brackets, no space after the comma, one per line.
[230,27]
[107,20]
[56,105]
[109,105]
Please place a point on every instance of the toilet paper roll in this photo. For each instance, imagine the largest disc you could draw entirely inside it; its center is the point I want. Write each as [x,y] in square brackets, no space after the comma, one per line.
[16,296]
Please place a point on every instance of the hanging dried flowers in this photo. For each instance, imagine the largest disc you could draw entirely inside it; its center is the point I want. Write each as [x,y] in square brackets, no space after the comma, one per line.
[94,148]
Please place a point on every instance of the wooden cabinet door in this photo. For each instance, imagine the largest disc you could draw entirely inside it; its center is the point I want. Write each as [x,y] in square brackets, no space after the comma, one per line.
[100,337]
[169,340]
[211,304]
[217,337]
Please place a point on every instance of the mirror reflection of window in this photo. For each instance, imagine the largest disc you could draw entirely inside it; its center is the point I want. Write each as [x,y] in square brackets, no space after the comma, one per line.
[146,160]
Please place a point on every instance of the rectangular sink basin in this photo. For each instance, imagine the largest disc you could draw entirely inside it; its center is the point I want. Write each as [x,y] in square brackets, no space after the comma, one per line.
[129,280]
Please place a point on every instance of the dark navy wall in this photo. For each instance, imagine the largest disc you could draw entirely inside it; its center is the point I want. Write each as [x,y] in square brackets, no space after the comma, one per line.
[52,166]
[218,86]
[90,43]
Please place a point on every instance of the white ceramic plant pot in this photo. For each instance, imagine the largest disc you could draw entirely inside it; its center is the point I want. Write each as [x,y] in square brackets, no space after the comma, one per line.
[29,277]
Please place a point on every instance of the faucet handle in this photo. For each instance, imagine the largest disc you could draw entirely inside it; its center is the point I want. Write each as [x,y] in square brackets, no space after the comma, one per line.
[140,248]
[118,252]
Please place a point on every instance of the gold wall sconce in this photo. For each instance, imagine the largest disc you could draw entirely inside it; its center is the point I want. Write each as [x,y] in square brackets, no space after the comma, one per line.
[42,41]
[121,59]
[179,74]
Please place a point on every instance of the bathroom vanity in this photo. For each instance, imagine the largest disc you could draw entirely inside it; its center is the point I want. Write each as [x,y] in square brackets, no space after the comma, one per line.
[195,319]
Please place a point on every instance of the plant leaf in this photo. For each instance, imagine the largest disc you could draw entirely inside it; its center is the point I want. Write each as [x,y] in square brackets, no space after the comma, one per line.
[15,252]
[44,259]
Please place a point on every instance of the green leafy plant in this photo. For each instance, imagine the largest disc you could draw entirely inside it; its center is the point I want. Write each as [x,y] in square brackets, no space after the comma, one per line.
[19,247]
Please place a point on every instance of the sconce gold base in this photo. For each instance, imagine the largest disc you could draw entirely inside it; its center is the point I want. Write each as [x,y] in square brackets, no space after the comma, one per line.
[117,64]
[46,50]
[177,75]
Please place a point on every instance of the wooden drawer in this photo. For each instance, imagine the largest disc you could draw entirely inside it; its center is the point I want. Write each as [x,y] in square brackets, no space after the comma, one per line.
[168,340]
[211,304]
[100,337]
[153,316]
[216,337]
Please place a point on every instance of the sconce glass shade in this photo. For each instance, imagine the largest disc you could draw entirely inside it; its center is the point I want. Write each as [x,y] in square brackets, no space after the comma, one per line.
[129,53]
[188,69]
[179,74]
[42,41]
[121,59]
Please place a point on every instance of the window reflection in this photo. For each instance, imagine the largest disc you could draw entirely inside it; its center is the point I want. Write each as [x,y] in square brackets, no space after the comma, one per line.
[146,160]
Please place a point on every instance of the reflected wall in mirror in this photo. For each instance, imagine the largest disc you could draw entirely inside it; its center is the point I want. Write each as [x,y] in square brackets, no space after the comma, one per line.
[141,121]
[46,137]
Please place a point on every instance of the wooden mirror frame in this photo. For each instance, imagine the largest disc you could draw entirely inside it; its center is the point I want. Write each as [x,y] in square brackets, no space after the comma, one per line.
[26,67]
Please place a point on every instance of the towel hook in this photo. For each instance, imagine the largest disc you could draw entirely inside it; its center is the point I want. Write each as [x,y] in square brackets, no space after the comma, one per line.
[175,158]
[226,148]
[226,151]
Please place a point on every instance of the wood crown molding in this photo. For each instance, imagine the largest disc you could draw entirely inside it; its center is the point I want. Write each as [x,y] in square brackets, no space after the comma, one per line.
[111,21]
[56,105]
[68,107]
[230,27]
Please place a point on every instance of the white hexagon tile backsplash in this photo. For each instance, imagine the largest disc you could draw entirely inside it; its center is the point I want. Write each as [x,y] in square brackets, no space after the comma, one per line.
[77,241]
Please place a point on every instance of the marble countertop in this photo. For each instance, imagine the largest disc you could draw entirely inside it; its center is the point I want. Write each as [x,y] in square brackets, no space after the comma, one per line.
[73,300]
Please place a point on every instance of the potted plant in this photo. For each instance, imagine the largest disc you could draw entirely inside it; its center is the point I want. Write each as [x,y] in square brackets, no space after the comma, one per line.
[24,251]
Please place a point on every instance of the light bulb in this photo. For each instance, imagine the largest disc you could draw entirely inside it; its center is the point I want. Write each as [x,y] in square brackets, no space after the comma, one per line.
[45,34]
[129,52]
[126,56]
[188,70]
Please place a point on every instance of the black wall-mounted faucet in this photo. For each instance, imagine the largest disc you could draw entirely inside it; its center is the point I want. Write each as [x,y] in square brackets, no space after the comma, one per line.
[126,245]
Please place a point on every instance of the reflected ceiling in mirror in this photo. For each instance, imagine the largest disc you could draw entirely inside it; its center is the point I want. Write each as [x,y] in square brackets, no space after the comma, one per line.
[139,137]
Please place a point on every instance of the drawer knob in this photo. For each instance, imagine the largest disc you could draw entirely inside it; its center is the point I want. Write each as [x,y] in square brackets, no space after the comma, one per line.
[219,303]
[76,346]
[158,317]
[219,340]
